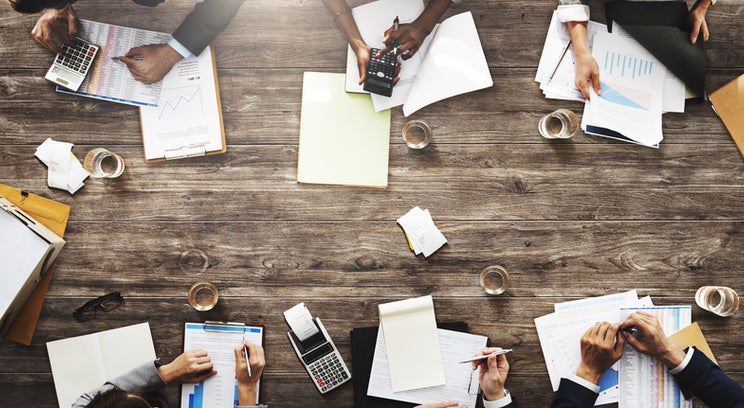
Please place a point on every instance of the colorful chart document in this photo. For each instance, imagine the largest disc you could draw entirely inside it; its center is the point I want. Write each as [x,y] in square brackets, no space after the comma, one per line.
[644,380]
[219,340]
[109,79]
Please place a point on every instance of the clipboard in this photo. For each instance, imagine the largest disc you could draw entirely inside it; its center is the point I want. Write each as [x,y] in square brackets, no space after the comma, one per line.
[218,339]
[185,95]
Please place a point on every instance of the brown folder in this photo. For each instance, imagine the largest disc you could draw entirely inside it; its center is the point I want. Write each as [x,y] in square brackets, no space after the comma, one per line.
[54,216]
[728,102]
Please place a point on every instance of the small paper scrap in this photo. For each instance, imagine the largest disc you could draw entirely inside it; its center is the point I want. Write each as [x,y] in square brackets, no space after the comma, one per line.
[422,235]
[64,169]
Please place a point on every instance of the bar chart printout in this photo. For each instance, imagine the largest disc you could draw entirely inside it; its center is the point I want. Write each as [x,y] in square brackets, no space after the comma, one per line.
[644,380]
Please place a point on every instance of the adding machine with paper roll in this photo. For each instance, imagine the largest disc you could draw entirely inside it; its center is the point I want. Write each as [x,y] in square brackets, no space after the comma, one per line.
[316,350]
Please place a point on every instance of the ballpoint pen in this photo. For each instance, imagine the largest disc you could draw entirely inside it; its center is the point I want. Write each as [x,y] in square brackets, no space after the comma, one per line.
[396,23]
[485,356]
[134,57]
[557,64]
[247,362]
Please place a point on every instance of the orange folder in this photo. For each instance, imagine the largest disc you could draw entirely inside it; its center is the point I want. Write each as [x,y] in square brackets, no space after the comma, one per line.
[54,216]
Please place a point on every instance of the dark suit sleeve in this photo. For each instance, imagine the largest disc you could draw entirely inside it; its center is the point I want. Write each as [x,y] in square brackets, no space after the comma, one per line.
[572,395]
[706,380]
[205,23]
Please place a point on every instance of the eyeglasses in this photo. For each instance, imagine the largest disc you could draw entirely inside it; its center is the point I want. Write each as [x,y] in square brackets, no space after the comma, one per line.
[106,303]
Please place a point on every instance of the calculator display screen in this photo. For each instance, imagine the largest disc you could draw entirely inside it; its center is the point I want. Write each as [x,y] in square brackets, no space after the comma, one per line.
[317,353]
[379,83]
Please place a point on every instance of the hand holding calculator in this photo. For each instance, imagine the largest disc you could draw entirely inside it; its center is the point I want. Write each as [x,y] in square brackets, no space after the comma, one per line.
[380,75]
[72,65]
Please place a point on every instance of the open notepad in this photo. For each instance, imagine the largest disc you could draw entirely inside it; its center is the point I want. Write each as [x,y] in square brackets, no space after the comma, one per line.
[450,61]
[82,364]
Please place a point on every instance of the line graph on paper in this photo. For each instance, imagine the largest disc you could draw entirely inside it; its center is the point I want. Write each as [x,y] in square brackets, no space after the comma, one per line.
[626,68]
[183,102]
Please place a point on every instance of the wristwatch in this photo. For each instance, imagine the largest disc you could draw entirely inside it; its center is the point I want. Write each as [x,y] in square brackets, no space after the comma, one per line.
[713,2]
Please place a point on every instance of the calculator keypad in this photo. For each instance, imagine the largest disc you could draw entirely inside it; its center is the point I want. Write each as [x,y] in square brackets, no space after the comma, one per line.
[383,66]
[77,56]
[328,372]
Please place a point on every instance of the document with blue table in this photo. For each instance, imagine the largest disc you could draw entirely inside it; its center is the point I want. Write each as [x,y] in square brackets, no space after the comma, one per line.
[219,340]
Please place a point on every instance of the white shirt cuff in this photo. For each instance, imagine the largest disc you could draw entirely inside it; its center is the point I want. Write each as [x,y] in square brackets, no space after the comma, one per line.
[678,369]
[501,402]
[584,383]
[572,12]
[185,53]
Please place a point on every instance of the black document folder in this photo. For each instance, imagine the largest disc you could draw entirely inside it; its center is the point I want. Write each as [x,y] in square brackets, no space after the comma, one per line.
[663,28]
[363,341]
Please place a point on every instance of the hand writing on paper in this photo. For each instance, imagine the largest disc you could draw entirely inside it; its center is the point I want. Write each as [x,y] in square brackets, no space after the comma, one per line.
[247,390]
[157,60]
[190,367]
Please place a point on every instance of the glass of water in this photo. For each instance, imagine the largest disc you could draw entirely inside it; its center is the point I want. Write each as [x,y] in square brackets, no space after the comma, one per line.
[561,124]
[494,279]
[203,296]
[101,163]
[417,134]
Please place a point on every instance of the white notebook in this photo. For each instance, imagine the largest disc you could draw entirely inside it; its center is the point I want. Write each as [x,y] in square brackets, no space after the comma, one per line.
[84,363]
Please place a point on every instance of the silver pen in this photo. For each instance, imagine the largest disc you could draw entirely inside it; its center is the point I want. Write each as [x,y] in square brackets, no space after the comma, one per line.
[396,23]
[485,356]
[247,362]
[557,64]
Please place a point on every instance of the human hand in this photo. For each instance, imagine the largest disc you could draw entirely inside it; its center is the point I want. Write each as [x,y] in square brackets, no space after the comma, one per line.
[247,384]
[697,20]
[652,341]
[157,60]
[190,367]
[363,55]
[448,404]
[587,71]
[492,375]
[601,347]
[60,23]
[408,38]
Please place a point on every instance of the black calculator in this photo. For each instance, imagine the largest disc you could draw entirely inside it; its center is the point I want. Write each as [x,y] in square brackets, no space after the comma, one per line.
[321,359]
[72,65]
[380,73]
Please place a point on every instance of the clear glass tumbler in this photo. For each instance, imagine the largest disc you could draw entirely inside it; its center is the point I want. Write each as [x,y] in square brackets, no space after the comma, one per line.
[561,124]
[494,279]
[101,163]
[203,296]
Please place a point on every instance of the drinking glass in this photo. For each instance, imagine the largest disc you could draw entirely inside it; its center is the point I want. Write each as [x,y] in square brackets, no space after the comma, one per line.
[561,124]
[101,163]
[494,279]
[203,296]
[720,300]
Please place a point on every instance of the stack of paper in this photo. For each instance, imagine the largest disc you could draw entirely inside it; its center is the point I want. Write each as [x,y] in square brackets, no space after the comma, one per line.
[636,87]
[64,169]
[636,90]
[556,72]
[560,334]
[422,235]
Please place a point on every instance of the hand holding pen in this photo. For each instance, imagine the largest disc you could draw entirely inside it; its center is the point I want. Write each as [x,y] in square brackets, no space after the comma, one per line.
[494,369]
[249,365]
[404,39]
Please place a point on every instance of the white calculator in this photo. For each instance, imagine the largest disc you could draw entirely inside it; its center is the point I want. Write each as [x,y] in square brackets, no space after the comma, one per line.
[321,359]
[72,65]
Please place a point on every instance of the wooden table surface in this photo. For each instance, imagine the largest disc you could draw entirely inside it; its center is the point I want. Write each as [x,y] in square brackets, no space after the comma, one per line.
[568,219]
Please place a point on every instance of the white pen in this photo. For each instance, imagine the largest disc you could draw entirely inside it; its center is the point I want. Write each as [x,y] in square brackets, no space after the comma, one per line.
[247,362]
[485,356]
[557,64]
